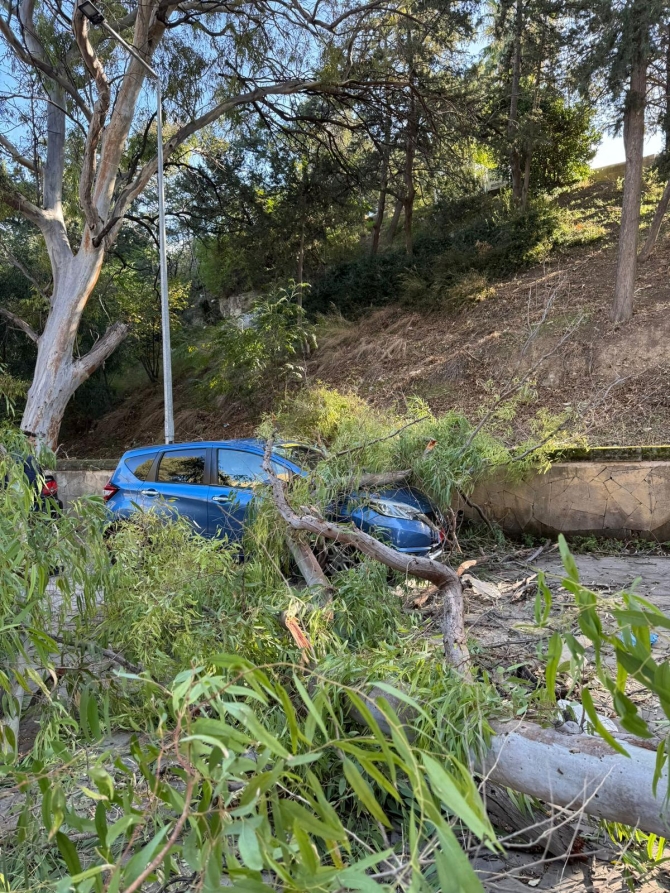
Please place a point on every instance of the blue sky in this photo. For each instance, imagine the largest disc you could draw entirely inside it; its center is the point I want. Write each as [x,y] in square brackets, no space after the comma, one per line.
[611,149]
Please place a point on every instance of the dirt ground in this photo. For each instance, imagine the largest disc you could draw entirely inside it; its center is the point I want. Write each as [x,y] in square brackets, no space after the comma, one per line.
[613,377]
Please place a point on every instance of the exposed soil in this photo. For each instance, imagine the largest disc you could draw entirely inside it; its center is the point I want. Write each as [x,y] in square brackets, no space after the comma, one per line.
[614,377]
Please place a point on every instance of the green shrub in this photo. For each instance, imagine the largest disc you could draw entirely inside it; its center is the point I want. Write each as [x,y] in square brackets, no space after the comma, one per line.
[480,235]
[269,348]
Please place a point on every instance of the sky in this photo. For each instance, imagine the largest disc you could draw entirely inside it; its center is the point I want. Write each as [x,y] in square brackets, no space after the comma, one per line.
[611,149]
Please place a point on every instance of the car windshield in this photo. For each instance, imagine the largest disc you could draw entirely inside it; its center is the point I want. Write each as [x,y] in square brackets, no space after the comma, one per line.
[300,454]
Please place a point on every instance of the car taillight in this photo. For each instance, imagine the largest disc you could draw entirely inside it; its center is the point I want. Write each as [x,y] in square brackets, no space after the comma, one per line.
[109,490]
[50,488]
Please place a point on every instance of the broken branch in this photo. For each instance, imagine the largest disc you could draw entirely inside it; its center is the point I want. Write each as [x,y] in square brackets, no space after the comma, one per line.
[448,582]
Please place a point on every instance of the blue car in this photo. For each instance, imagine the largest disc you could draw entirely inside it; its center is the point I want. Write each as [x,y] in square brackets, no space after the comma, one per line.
[213,484]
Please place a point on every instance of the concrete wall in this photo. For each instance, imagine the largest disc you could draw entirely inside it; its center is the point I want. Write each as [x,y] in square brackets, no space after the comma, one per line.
[617,499]
[75,483]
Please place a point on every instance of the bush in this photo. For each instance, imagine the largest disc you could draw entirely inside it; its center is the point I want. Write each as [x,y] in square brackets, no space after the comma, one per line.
[270,347]
[476,239]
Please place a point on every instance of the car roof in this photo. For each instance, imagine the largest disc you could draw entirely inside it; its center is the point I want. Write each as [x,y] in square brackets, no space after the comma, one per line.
[253,443]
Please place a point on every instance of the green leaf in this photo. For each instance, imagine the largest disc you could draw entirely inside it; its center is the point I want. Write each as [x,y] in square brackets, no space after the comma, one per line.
[309,822]
[456,874]
[445,788]
[93,718]
[543,600]
[306,849]
[103,781]
[554,651]
[661,759]
[250,852]
[121,826]
[309,703]
[140,860]
[101,824]
[69,853]
[568,560]
[587,703]
[364,792]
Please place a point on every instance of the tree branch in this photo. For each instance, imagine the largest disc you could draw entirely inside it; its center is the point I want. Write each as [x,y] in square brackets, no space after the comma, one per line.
[44,67]
[134,189]
[444,577]
[17,156]
[80,26]
[17,323]
[86,365]
[15,262]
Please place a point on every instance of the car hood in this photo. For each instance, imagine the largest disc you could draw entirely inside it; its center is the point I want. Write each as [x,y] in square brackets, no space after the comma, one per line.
[406,495]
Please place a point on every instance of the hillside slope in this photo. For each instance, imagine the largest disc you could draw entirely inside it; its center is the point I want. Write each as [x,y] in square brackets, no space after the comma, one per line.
[615,377]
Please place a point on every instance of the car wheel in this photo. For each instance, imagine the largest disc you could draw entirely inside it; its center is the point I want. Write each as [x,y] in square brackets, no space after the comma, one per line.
[334,558]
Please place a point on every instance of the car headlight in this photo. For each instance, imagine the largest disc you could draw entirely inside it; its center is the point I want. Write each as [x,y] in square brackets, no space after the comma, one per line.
[392,509]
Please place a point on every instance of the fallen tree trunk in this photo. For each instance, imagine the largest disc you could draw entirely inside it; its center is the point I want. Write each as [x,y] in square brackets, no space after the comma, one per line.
[579,772]
[446,579]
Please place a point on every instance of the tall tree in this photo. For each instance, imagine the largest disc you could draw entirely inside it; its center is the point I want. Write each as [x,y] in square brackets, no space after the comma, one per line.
[617,40]
[524,65]
[659,95]
[87,93]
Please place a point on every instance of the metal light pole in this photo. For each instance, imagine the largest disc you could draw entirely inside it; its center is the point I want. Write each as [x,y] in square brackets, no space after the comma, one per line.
[93,14]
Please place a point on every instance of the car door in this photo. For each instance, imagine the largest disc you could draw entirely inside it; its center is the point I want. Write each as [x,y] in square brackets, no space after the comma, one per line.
[237,474]
[179,486]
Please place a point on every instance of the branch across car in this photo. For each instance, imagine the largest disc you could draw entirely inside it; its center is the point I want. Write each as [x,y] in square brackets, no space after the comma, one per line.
[214,483]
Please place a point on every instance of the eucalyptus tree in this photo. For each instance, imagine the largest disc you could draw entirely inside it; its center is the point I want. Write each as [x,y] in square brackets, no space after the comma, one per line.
[78,138]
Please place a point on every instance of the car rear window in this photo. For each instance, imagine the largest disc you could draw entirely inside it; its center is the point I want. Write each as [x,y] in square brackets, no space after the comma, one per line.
[182,467]
[140,466]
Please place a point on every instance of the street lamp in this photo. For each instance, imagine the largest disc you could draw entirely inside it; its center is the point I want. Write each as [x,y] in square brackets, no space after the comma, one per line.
[95,17]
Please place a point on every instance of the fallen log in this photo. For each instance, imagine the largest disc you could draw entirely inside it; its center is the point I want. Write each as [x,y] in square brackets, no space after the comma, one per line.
[580,772]
[444,577]
[576,772]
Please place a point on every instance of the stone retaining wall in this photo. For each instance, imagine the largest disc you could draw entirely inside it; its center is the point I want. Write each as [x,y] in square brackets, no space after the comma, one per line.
[75,483]
[616,499]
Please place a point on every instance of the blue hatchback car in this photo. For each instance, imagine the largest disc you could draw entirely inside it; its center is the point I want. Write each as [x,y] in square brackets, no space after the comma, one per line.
[213,483]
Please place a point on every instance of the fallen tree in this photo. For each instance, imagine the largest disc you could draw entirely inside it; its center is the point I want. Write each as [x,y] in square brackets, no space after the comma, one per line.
[579,772]
[446,579]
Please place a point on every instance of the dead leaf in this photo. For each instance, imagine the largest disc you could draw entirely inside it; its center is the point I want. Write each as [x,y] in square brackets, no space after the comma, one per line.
[486,590]
[466,564]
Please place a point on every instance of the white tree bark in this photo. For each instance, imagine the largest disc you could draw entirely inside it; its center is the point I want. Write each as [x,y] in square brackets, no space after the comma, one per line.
[57,373]
[580,772]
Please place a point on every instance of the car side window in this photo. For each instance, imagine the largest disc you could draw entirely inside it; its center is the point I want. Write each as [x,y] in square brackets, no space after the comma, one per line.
[182,467]
[239,468]
[140,466]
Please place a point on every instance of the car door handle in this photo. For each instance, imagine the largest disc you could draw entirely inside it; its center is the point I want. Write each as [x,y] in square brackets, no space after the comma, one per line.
[222,498]
[149,492]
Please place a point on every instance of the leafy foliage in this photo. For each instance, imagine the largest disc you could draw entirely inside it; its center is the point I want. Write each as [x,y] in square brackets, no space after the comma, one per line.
[480,235]
[269,344]
[628,639]
[357,436]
